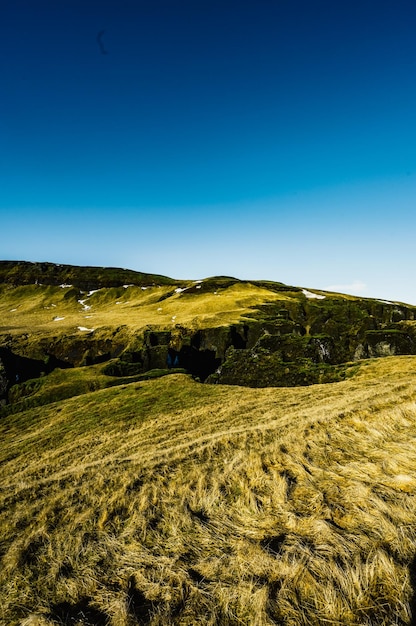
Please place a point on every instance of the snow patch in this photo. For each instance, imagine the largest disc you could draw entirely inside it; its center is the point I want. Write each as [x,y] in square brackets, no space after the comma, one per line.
[180,289]
[198,286]
[87,330]
[65,286]
[309,294]
[85,307]
[58,319]
[127,286]
[12,310]
[91,292]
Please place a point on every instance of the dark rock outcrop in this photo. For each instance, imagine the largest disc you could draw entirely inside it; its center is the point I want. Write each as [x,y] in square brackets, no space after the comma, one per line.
[16,369]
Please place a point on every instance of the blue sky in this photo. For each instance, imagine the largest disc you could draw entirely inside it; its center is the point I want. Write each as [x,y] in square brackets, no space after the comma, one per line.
[264,139]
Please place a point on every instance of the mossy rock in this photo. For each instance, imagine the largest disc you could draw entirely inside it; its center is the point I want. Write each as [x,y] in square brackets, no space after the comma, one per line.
[261,369]
[319,349]
[389,342]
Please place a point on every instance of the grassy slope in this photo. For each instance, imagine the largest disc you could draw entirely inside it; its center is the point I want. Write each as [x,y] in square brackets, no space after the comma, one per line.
[36,307]
[171,502]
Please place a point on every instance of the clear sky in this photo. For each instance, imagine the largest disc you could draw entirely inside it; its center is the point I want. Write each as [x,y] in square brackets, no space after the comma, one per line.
[262,139]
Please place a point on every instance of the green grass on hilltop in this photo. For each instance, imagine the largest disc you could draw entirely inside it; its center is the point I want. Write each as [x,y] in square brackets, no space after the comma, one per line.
[171,502]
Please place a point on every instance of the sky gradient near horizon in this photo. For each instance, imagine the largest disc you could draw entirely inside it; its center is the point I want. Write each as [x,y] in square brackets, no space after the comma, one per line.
[262,139]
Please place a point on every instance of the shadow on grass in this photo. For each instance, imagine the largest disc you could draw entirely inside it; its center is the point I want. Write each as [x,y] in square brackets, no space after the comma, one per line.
[82,612]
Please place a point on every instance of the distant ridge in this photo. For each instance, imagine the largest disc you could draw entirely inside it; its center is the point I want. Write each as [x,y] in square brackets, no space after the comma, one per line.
[27,273]
[18,273]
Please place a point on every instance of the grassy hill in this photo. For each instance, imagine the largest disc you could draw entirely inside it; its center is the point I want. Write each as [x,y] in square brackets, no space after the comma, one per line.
[141,496]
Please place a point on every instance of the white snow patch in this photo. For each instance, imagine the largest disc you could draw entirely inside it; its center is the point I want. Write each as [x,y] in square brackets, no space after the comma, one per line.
[64,286]
[180,289]
[91,292]
[197,281]
[173,318]
[85,307]
[160,308]
[385,301]
[309,294]
[198,286]
[144,288]
[87,330]
[12,310]
[127,286]
[58,319]
[118,302]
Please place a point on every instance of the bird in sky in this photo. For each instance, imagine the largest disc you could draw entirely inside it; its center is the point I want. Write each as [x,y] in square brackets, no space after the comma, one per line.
[100,42]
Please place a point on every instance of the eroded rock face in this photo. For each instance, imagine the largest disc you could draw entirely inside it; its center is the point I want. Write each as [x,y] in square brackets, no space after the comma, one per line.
[260,368]
[320,339]
[382,343]
[260,353]
[280,360]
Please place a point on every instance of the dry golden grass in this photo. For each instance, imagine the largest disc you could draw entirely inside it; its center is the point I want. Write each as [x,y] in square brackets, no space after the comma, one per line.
[171,502]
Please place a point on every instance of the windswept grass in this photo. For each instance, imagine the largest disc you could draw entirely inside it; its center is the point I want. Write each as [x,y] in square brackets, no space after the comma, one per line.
[171,502]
